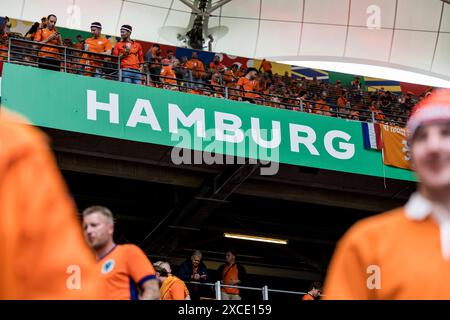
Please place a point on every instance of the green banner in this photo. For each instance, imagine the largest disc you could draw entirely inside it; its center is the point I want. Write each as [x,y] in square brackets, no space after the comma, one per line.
[139,113]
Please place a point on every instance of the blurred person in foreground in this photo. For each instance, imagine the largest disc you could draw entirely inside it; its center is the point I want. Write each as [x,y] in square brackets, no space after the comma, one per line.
[42,251]
[125,269]
[405,253]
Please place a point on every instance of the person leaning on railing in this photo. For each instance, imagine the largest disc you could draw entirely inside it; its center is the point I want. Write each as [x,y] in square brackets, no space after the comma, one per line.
[49,57]
[131,56]
[95,44]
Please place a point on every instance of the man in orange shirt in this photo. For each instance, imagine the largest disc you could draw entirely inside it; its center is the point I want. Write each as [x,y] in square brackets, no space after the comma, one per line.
[314,291]
[405,253]
[132,58]
[125,269]
[172,288]
[249,84]
[49,57]
[196,67]
[96,44]
[168,75]
[232,274]
[42,251]
[216,65]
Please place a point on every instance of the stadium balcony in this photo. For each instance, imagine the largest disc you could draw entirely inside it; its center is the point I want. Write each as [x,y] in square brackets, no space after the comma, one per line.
[311,96]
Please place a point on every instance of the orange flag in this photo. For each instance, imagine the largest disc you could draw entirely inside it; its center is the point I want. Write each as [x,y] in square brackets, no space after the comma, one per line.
[395,147]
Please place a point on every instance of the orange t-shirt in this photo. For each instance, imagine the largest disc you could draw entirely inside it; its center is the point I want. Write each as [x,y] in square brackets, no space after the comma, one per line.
[230,274]
[43,254]
[173,288]
[124,269]
[248,85]
[99,45]
[43,34]
[168,72]
[197,68]
[135,57]
[389,256]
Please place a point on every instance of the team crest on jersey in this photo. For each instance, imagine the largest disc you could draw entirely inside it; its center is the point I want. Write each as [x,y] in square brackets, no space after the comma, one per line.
[108,266]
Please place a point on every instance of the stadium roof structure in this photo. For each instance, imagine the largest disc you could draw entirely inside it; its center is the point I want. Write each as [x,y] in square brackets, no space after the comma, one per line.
[411,35]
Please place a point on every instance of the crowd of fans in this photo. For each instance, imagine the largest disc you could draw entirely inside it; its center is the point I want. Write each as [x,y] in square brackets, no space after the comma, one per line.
[96,57]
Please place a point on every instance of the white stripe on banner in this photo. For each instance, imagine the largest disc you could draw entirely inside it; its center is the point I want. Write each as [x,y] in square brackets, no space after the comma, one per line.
[372,135]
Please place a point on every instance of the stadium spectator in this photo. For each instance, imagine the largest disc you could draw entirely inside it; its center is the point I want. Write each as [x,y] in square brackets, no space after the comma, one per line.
[79,45]
[43,23]
[7,25]
[172,287]
[248,84]
[3,48]
[42,244]
[267,67]
[314,291]
[196,68]
[131,55]
[231,273]
[229,79]
[405,253]
[49,57]
[32,31]
[125,269]
[216,83]
[169,78]
[153,58]
[216,66]
[96,44]
[194,269]
[174,63]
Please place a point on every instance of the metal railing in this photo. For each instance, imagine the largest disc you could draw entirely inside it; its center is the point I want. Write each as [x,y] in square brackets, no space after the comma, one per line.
[218,286]
[71,60]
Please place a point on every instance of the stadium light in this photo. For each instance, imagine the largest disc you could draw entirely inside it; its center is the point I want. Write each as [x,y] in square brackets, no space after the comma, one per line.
[254,238]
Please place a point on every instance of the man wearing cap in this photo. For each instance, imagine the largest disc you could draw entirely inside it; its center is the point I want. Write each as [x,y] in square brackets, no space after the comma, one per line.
[405,253]
[131,56]
[249,84]
[95,44]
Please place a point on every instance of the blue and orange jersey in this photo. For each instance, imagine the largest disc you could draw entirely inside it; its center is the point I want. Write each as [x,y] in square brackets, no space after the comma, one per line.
[125,268]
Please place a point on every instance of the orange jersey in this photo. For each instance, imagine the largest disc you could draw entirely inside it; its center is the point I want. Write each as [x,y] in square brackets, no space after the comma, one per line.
[403,254]
[173,288]
[167,71]
[99,45]
[135,57]
[230,274]
[248,85]
[197,68]
[43,254]
[229,78]
[124,269]
[43,34]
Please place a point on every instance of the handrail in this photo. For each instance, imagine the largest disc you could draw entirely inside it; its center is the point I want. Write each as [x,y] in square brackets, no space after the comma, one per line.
[264,290]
